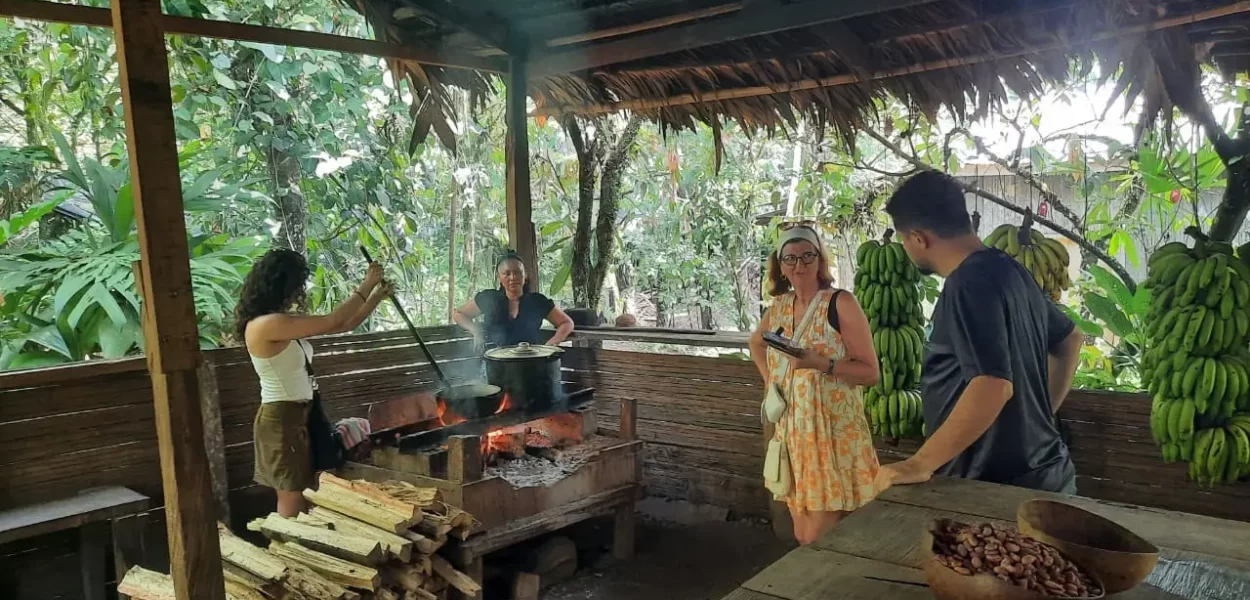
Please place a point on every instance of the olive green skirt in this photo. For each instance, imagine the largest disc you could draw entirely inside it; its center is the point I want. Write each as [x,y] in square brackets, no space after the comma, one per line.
[283,453]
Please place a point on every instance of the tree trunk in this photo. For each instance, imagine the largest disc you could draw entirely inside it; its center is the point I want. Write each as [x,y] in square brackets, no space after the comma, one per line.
[661,312]
[1231,213]
[291,209]
[609,207]
[596,166]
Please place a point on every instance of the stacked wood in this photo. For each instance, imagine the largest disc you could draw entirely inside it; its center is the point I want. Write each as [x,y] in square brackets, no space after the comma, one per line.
[367,502]
[358,545]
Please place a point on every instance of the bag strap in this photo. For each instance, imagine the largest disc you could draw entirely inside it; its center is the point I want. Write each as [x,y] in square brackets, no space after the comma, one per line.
[832,317]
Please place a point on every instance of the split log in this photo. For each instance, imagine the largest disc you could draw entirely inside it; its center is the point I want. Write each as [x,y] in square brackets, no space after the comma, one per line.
[312,521]
[435,585]
[458,580]
[402,490]
[249,558]
[364,508]
[419,595]
[240,589]
[407,577]
[359,550]
[306,583]
[433,526]
[380,495]
[240,577]
[385,594]
[333,569]
[423,544]
[142,584]
[394,545]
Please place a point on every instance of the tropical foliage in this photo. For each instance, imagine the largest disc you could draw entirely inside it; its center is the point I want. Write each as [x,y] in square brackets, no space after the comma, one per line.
[313,150]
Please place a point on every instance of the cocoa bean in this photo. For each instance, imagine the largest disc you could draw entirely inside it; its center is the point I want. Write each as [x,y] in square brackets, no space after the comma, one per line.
[962,550]
[1028,559]
[977,562]
[1012,547]
[962,571]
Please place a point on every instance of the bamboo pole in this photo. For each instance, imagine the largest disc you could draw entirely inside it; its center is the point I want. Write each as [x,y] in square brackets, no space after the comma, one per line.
[848,79]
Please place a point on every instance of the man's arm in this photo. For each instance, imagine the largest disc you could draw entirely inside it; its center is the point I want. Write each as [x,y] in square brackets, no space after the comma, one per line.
[974,413]
[1062,364]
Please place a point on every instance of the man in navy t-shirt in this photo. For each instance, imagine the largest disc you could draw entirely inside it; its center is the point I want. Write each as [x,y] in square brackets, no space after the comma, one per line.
[1000,359]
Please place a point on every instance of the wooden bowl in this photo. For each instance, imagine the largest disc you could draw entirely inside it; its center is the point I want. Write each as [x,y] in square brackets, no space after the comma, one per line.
[946,584]
[1118,557]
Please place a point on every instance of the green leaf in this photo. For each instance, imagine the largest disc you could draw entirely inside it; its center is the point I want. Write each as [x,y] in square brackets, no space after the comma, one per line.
[105,299]
[271,52]
[50,337]
[561,278]
[1085,325]
[225,80]
[1111,284]
[124,210]
[71,288]
[1106,311]
[35,359]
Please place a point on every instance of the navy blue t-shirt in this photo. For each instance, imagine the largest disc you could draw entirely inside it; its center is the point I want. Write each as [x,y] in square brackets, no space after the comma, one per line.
[501,329]
[992,319]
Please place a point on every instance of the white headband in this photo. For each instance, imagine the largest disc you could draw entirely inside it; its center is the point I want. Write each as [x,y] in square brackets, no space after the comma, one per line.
[795,234]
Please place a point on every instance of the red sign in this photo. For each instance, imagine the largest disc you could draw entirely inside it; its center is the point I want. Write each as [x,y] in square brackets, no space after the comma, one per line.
[1043,210]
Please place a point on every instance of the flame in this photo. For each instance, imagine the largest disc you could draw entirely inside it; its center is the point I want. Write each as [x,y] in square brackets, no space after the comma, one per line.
[443,419]
[506,404]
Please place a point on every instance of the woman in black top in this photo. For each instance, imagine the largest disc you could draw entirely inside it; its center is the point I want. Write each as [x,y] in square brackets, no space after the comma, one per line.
[512,314]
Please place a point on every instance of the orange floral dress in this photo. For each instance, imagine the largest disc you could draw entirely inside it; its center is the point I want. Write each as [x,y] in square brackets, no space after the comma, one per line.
[824,427]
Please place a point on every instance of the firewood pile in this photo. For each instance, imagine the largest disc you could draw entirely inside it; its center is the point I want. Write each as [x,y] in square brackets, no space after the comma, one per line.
[359,541]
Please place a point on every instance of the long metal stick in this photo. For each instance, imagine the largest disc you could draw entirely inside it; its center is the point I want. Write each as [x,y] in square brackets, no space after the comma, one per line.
[400,309]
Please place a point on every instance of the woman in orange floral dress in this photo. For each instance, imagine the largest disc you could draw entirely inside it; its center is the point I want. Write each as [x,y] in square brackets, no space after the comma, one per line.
[826,434]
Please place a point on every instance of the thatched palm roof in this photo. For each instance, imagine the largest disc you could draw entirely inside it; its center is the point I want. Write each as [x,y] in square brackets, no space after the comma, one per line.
[800,58]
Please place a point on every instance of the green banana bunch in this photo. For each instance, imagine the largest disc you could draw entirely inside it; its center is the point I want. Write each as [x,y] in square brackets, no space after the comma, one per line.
[1196,363]
[887,285]
[1045,258]
[896,414]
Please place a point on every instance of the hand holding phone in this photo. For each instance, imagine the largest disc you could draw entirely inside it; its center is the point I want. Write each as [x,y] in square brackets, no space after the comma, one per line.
[776,340]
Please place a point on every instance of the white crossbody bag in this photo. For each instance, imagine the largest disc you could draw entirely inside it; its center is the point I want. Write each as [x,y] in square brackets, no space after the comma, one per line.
[778,478]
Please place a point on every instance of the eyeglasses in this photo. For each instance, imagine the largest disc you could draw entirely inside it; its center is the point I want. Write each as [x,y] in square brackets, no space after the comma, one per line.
[793,259]
[788,225]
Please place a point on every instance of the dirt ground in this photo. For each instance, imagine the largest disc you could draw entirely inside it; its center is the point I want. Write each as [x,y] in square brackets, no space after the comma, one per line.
[673,559]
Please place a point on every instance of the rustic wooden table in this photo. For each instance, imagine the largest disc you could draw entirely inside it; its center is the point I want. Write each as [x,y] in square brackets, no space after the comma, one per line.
[875,553]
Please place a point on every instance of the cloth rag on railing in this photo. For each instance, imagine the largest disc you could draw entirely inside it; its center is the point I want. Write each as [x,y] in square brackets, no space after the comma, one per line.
[353,431]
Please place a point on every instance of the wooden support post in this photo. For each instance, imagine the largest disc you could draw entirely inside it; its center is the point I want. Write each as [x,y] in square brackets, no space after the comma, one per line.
[623,527]
[629,419]
[214,438]
[517,157]
[172,338]
[464,460]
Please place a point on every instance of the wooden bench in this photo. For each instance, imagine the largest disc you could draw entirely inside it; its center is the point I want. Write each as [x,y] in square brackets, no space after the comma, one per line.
[97,515]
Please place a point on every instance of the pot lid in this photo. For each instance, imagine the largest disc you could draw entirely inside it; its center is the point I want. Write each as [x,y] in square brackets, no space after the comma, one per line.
[523,351]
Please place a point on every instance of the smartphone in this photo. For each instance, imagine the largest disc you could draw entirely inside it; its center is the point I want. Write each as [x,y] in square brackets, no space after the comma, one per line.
[781,343]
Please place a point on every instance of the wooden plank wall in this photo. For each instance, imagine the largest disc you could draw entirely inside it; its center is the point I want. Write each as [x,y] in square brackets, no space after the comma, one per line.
[66,429]
[700,417]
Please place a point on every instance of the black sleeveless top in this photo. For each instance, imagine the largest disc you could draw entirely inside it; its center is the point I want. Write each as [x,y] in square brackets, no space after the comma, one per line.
[501,329]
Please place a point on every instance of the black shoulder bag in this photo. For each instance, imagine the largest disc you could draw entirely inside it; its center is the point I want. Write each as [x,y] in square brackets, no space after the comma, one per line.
[324,440]
[832,317]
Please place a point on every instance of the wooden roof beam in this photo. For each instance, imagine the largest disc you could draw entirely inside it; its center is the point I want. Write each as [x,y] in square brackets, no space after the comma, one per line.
[39,10]
[746,24]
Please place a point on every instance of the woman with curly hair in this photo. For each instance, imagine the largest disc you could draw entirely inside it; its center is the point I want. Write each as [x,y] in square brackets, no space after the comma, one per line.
[270,319]
[512,313]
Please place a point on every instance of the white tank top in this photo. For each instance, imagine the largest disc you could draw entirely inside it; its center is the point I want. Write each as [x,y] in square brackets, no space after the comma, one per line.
[283,377]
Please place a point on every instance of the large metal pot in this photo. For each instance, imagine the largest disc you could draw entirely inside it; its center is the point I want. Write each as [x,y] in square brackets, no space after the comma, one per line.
[529,374]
